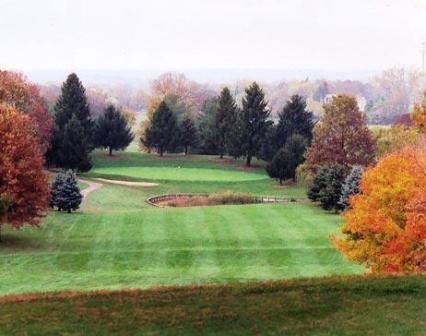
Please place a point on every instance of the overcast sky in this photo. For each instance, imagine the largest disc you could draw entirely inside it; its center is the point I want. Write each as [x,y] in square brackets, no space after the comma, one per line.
[340,35]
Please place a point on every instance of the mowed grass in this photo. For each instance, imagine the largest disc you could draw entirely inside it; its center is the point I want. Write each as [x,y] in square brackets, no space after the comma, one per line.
[118,241]
[179,174]
[332,306]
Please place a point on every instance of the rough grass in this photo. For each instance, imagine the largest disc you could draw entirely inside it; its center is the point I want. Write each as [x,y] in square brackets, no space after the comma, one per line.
[332,306]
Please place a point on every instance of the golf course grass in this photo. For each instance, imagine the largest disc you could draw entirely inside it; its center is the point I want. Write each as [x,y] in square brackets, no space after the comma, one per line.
[179,174]
[116,240]
[330,306]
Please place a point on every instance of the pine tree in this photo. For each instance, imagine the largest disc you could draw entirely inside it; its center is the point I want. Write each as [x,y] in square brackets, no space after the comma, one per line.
[224,121]
[287,159]
[327,187]
[350,186]
[73,102]
[254,122]
[66,194]
[294,119]
[206,142]
[112,130]
[187,133]
[162,134]
[74,153]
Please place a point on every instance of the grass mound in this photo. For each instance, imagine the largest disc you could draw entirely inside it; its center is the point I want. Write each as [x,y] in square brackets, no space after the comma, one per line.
[325,306]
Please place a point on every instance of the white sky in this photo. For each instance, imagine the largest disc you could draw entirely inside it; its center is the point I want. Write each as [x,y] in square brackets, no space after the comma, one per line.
[335,35]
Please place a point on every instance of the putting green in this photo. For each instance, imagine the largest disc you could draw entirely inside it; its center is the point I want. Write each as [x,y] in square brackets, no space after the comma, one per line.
[180,174]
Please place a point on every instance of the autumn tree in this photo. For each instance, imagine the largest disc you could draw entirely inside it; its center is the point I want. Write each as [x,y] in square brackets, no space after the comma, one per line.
[254,122]
[24,189]
[342,137]
[285,161]
[419,115]
[16,91]
[162,134]
[385,228]
[187,133]
[394,139]
[190,93]
[112,130]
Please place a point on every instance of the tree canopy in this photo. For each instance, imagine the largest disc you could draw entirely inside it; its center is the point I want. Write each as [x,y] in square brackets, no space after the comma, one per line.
[112,130]
[24,190]
[342,137]
[254,122]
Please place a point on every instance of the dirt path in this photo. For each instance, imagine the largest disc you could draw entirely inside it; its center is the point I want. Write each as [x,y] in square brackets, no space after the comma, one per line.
[129,183]
[92,186]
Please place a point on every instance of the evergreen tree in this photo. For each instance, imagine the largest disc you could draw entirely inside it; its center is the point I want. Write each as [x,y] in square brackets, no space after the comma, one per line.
[73,102]
[112,130]
[74,153]
[294,118]
[287,159]
[162,134]
[254,122]
[205,126]
[65,194]
[327,187]
[187,133]
[350,186]
[224,121]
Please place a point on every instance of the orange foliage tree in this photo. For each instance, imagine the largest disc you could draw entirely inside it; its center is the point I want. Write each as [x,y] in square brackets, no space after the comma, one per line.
[18,92]
[24,189]
[385,227]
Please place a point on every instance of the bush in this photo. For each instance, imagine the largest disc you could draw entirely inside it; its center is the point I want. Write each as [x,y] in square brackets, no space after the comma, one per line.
[66,195]
[327,187]
[230,197]
[305,175]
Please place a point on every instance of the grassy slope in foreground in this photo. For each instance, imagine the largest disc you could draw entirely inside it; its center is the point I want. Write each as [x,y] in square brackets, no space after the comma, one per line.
[328,306]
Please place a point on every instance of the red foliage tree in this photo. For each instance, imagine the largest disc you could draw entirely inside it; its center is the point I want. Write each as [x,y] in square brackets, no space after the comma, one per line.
[24,189]
[18,92]
[342,137]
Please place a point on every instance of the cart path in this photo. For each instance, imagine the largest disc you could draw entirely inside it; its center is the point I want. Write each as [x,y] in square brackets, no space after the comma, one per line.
[92,186]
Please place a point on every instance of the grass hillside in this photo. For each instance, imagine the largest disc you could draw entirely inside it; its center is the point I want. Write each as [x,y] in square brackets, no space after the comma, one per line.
[116,240]
[332,306]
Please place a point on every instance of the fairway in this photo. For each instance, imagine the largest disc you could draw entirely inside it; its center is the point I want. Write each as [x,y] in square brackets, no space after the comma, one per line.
[179,174]
[116,240]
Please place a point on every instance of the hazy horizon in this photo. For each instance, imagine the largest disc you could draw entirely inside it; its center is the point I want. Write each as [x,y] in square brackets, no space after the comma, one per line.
[214,41]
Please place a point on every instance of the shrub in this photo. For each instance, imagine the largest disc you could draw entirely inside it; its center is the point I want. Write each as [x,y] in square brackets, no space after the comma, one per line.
[327,187]
[230,197]
[66,195]
[351,186]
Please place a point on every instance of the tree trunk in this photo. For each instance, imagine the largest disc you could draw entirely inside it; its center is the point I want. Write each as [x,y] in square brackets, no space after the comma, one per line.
[186,150]
[0,234]
[281,181]
[110,151]
[221,155]
[248,160]
[69,210]
[161,151]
